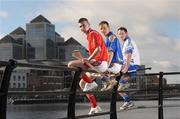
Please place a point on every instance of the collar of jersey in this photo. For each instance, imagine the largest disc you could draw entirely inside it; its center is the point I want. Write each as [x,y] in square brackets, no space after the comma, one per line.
[89,31]
[109,34]
[127,37]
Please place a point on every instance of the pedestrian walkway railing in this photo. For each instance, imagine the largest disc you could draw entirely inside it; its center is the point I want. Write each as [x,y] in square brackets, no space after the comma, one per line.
[11,64]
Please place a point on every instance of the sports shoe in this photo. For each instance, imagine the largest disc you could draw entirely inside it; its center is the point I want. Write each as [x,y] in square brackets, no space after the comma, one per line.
[113,82]
[97,109]
[90,86]
[105,85]
[123,86]
[126,105]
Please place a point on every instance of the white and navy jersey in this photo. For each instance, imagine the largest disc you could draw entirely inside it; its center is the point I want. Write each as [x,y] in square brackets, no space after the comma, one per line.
[130,46]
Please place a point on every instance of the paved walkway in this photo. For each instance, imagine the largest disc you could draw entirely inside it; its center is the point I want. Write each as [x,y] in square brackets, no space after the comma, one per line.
[53,111]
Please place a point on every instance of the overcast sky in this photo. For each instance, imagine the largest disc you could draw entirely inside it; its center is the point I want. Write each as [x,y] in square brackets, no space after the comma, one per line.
[153,24]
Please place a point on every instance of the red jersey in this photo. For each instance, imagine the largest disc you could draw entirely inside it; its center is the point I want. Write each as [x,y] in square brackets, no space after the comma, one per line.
[96,40]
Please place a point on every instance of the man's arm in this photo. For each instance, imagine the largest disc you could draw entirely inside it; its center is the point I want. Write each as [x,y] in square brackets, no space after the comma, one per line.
[128,60]
[96,51]
[112,48]
[128,50]
[111,54]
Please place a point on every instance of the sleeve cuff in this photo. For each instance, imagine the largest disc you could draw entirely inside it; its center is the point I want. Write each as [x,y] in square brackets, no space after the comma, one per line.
[110,49]
[129,51]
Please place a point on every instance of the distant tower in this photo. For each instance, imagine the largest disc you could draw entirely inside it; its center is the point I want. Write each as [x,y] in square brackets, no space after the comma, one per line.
[40,33]
[70,45]
[10,48]
[19,35]
[60,51]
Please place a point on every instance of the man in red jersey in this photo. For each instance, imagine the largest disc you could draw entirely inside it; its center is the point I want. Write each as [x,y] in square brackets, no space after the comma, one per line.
[98,58]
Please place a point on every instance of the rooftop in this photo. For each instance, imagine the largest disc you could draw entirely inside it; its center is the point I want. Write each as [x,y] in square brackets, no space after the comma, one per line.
[72,41]
[18,31]
[9,39]
[40,18]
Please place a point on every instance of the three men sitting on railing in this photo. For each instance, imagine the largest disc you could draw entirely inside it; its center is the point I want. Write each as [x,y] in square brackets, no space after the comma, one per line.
[106,58]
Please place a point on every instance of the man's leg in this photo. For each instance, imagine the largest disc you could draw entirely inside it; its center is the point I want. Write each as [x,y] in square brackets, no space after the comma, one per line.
[123,83]
[125,97]
[114,69]
[78,63]
[102,68]
[91,98]
[82,84]
[75,64]
[105,82]
[122,86]
[127,101]
[85,78]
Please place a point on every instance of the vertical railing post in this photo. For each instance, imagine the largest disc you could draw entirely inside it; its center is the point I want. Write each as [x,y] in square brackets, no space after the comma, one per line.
[72,96]
[160,99]
[4,88]
[113,112]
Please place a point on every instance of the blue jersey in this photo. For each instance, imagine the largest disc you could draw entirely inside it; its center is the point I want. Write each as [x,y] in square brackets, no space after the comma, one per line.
[113,44]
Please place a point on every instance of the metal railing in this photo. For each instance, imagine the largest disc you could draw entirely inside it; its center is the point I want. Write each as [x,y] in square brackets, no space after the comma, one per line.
[11,64]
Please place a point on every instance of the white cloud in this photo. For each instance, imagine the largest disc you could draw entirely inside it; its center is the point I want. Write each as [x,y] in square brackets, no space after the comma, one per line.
[168,66]
[163,63]
[177,46]
[72,32]
[136,15]
[3,14]
[139,16]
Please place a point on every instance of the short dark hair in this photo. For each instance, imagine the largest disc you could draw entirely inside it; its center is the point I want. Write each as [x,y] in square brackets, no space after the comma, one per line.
[123,28]
[104,22]
[82,19]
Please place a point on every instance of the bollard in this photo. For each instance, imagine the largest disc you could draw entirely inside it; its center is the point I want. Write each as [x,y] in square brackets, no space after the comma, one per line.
[4,88]
[160,96]
[72,96]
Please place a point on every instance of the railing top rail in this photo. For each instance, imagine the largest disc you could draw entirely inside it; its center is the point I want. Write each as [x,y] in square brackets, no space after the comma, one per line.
[164,73]
[45,66]
[34,65]
[4,63]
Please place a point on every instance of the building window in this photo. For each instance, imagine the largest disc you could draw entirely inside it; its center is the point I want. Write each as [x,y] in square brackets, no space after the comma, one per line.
[14,78]
[14,85]
[10,85]
[19,85]
[27,74]
[19,78]
[24,86]
[23,78]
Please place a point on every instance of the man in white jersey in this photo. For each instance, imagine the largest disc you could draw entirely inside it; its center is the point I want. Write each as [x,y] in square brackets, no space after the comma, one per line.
[131,63]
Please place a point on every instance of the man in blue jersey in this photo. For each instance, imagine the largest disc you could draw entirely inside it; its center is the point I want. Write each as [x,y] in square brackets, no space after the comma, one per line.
[131,62]
[115,59]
